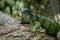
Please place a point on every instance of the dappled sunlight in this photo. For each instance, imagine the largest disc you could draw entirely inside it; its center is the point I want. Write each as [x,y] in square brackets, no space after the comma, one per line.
[57,18]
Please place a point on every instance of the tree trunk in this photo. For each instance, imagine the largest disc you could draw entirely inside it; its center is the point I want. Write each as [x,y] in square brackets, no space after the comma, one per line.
[53,9]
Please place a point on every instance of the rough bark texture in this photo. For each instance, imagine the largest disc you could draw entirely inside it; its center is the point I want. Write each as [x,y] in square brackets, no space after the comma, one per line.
[53,9]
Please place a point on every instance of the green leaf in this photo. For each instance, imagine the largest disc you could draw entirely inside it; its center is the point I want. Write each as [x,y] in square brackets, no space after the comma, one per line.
[17,4]
[51,30]
[35,26]
[1,4]
[10,2]
[7,10]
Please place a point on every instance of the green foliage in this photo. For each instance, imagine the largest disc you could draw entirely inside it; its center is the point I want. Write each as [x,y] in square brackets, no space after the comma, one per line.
[2,4]
[10,2]
[36,25]
[52,29]
[15,8]
[50,25]
[20,9]
[7,10]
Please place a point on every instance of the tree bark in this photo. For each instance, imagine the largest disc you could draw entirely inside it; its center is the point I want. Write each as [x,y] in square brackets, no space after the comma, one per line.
[53,9]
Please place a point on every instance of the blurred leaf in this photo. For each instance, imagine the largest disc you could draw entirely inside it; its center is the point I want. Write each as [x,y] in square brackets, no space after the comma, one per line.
[10,2]
[1,4]
[7,10]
